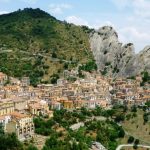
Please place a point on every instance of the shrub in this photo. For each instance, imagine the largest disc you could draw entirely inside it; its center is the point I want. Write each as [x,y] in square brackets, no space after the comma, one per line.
[135,146]
[136,142]
[130,139]
[89,66]
[54,55]
[105,52]
[66,65]
[107,63]
[134,108]
[121,133]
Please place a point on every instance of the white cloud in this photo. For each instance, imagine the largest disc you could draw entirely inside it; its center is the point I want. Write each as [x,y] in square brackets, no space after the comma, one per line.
[30,1]
[142,8]
[76,20]
[121,4]
[139,7]
[58,8]
[141,4]
[3,12]
[140,38]
[133,32]
[97,24]
[94,24]
[136,27]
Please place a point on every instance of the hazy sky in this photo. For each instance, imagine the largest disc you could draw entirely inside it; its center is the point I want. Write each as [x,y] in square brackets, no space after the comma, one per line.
[130,18]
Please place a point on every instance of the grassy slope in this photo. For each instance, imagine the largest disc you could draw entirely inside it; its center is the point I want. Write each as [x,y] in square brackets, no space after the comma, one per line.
[32,36]
[136,128]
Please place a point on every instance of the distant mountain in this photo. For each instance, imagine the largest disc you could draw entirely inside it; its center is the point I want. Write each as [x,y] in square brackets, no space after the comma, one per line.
[35,44]
[115,59]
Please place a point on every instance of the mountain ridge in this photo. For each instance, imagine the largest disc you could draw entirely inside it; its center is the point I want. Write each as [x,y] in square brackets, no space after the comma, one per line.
[33,43]
[40,46]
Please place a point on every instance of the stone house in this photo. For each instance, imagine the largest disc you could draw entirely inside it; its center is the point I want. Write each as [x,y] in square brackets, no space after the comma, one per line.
[22,125]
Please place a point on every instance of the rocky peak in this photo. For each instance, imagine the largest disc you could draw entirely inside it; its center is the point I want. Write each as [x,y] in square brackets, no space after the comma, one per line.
[128,49]
[146,51]
[107,32]
[114,58]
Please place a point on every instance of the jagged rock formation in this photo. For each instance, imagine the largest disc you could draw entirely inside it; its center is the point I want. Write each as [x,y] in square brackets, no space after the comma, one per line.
[114,58]
[139,62]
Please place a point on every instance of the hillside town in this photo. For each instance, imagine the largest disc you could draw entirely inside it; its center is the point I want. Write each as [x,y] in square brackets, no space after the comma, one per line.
[20,102]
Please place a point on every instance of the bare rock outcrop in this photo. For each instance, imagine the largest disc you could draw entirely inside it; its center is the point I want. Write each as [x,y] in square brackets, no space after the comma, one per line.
[115,59]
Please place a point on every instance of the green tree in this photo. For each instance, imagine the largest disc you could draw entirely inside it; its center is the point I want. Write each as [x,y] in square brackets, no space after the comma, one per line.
[32,147]
[121,133]
[147,103]
[120,117]
[125,108]
[145,117]
[134,108]
[128,116]
[1,129]
[54,78]
[135,146]
[54,55]
[136,141]
[66,65]
[89,66]
[101,137]
[10,142]
[130,139]
[52,142]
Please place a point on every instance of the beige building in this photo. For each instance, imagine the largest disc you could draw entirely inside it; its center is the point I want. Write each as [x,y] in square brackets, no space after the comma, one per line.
[20,104]
[6,107]
[22,125]
[25,81]
[38,108]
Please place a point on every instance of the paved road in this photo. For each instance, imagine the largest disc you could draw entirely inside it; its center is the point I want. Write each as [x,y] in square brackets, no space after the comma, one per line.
[38,54]
[130,145]
[49,57]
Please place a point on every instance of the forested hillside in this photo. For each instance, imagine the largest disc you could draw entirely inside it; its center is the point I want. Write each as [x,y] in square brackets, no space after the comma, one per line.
[35,44]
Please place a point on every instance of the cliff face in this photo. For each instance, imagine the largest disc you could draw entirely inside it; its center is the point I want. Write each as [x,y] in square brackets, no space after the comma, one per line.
[114,58]
[139,62]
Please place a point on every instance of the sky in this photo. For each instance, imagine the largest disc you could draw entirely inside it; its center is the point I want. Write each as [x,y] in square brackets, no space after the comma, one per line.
[130,18]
